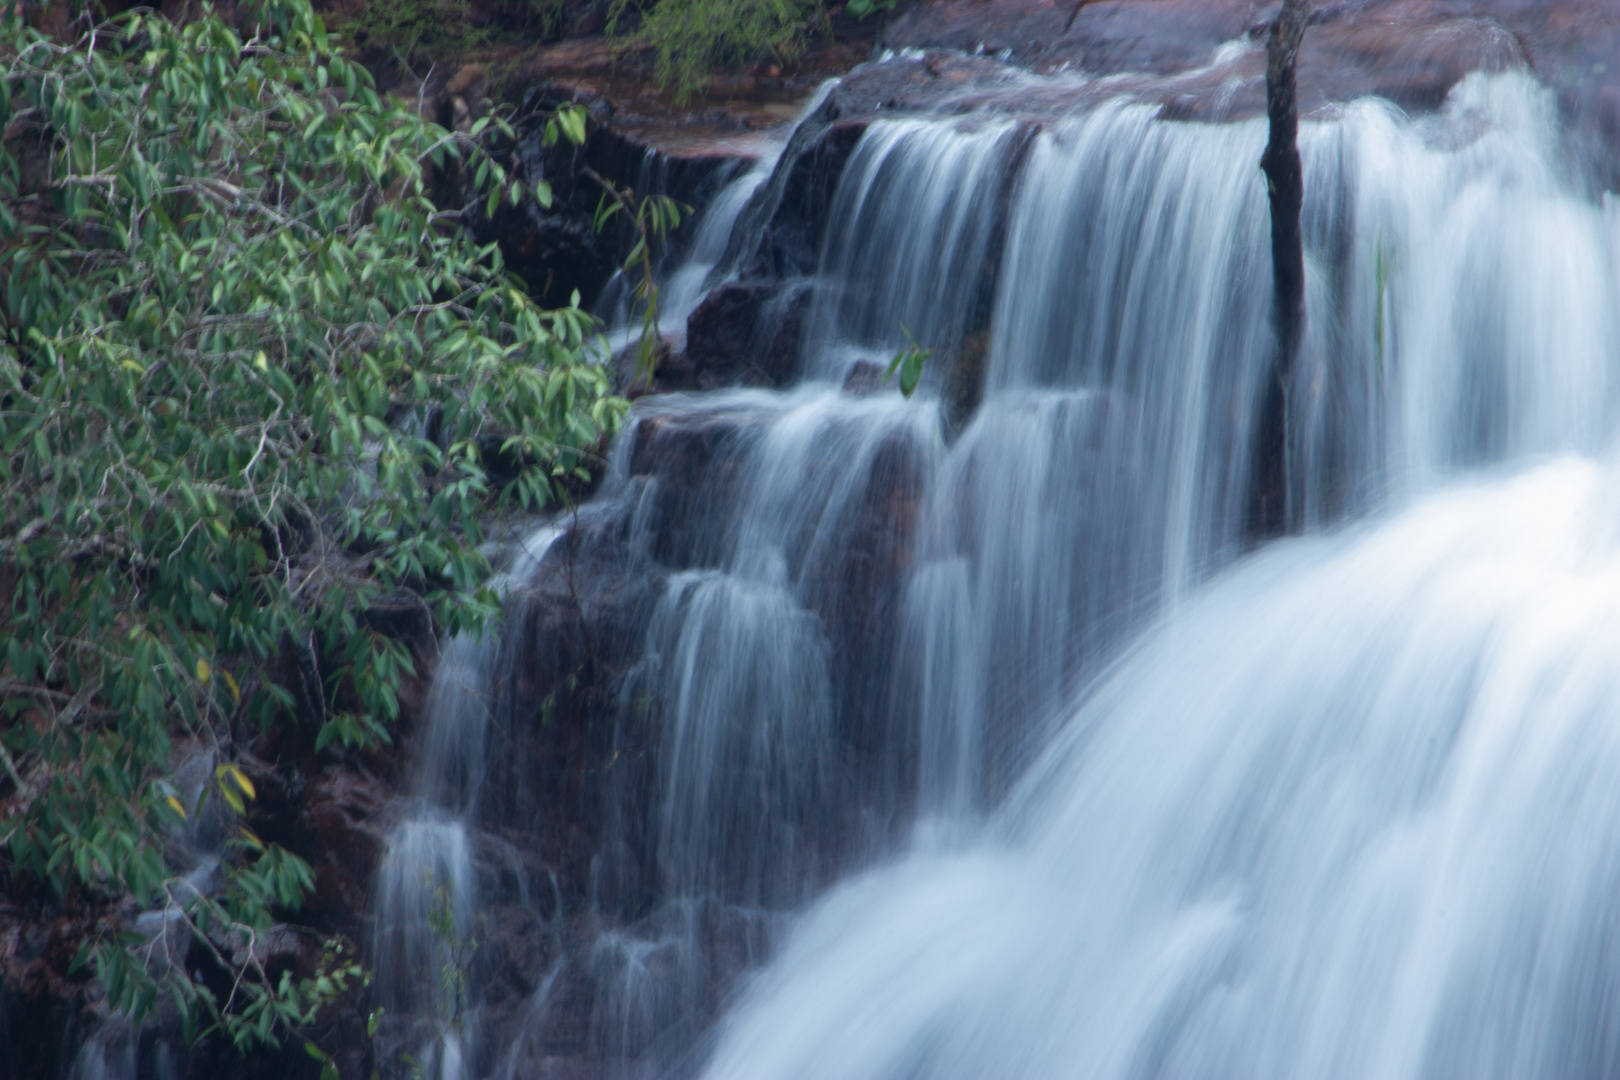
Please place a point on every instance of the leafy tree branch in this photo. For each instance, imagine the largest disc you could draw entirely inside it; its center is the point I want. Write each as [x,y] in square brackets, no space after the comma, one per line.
[252,381]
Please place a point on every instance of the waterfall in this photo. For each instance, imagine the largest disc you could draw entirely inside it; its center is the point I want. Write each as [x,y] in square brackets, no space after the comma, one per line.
[690,282]
[912,226]
[1343,808]
[1348,814]
[969,735]
[427,896]
[755,806]
[682,289]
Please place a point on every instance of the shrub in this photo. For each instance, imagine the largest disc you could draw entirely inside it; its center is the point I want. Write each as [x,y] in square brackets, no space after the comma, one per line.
[689,38]
[249,377]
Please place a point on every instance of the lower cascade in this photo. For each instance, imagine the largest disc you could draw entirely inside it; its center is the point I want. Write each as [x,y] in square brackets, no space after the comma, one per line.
[1348,814]
[969,735]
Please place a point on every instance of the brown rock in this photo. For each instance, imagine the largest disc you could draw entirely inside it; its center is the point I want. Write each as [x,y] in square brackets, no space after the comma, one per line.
[343,829]
[746,333]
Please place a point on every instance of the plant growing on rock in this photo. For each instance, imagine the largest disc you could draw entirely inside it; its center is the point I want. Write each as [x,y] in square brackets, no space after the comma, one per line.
[253,383]
[690,38]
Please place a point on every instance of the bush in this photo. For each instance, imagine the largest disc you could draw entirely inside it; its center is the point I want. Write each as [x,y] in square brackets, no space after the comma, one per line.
[415,34]
[689,38]
[249,374]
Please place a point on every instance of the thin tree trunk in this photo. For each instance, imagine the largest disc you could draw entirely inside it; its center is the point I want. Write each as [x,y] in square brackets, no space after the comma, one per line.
[1270,513]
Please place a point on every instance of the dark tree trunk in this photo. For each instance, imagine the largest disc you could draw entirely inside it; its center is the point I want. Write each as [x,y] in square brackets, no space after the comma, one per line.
[1269,509]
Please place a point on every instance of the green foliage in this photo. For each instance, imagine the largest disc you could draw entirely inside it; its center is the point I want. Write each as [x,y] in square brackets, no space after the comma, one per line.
[909,363]
[417,33]
[426,29]
[230,318]
[690,38]
[651,220]
[862,8]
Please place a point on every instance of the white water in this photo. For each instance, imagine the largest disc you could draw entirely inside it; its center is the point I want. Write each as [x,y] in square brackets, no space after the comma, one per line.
[755,804]
[910,231]
[690,283]
[1348,808]
[1350,814]
[426,895]
[683,289]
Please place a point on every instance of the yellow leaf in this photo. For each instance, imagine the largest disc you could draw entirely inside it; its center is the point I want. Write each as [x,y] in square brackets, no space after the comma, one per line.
[174,802]
[247,834]
[202,670]
[242,781]
[262,361]
[230,684]
[233,800]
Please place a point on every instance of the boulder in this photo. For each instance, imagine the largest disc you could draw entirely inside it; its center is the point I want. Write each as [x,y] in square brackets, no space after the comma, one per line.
[746,333]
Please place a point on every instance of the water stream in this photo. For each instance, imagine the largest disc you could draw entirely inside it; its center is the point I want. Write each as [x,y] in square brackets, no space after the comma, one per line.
[986,745]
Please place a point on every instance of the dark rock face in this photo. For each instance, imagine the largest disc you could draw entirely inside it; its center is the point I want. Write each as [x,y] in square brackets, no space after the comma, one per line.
[789,243]
[558,250]
[747,333]
[742,334]
[343,825]
[38,998]
[1103,36]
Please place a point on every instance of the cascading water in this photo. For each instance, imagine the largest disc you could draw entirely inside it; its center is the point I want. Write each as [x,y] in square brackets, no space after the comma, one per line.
[912,227]
[1348,815]
[754,806]
[1252,844]
[1345,811]
[685,288]
[427,886]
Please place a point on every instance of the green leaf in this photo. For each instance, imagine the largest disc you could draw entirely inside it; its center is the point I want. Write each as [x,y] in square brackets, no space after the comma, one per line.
[571,118]
[911,371]
[909,363]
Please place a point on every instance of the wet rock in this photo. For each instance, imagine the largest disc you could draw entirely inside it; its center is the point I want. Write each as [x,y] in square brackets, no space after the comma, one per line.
[38,997]
[571,634]
[515,951]
[342,831]
[1102,36]
[279,948]
[864,379]
[690,470]
[667,364]
[557,250]
[746,333]
[720,332]
[786,221]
